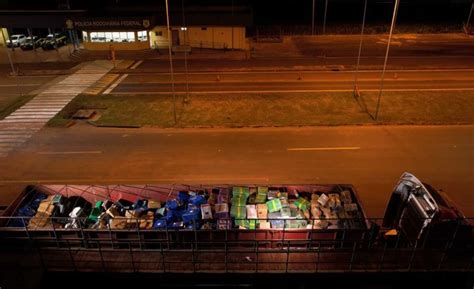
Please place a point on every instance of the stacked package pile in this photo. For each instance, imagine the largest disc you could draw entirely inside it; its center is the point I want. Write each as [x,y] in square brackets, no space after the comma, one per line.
[187,211]
[216,208]
[264,208]
[334,211]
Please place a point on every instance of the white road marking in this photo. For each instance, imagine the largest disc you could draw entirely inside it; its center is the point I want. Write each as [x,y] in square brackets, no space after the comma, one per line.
[44,106]
[325,149]
[69,153]
[314,71]
[136,64]
[114,85]
[19,85]
[295,91]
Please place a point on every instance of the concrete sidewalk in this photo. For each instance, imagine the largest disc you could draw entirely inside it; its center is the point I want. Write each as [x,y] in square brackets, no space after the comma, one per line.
[20,126]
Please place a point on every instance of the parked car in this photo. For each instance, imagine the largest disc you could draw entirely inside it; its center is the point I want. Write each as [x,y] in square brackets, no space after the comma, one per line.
[16,40]
[32,42]
[54,41]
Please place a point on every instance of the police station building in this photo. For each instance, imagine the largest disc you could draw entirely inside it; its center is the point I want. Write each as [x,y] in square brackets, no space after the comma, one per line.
[143,27]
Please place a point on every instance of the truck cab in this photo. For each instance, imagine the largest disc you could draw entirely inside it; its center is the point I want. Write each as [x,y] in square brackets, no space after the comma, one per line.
[418,212]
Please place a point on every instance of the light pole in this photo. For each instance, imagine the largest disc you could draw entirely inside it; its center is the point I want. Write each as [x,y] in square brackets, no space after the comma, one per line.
[171,60]
[394,17]
[325,13]
[232,12]
[185,51]
[8,51]
[466,27]
[360,48]
[312,18]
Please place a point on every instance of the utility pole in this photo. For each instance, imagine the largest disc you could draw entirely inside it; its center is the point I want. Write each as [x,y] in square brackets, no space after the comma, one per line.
[360,49]
[232,24]
[466,27]
[185,51]
[325,14]
[171,60]
[394,17]
[8,51]
[312,18]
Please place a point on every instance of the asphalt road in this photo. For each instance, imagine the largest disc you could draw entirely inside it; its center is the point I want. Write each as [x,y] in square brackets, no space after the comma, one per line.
[309,63]
[370,157]
[203,82]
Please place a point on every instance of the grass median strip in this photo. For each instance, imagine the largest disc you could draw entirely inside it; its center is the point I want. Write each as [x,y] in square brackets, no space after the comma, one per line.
[276,109]
[9,104]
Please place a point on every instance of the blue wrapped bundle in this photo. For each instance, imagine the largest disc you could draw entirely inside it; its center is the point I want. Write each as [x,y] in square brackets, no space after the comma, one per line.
[26,212]
[175,225]
[159,224]
[172,204]
[192,215]
[192,226]
[183,197]
[169,216]
[197,200]
[34,204]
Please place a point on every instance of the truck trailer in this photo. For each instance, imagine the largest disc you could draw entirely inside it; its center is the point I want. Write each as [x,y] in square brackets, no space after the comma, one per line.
[224,228]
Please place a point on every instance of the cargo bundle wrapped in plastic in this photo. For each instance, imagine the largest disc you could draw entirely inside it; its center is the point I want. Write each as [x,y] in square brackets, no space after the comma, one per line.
[244,207]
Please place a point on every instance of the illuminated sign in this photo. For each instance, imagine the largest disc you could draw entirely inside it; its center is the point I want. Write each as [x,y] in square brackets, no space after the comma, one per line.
[106,24]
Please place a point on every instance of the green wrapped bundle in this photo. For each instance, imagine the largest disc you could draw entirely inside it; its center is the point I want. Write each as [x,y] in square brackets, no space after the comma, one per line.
[240,196]
[239,201]
[252,224]
[242,223]
[240,191]
[274,205]
[302,204]
[249,224]
[238,212]
[261,198]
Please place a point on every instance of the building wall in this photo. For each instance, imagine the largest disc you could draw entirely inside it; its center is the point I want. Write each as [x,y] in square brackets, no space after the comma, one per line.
[132,45]
[202,37]
[138,45]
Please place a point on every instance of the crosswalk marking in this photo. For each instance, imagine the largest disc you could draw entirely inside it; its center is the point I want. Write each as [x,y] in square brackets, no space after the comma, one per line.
[22,124]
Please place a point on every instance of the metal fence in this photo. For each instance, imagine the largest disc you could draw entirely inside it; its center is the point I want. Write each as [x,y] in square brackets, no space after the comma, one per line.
[348,249]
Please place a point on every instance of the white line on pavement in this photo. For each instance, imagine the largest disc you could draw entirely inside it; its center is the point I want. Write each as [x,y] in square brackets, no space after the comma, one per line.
[296,91]
[69,153]
[324,149]
[136,64]
[315,71]
[113,85]
[23,84]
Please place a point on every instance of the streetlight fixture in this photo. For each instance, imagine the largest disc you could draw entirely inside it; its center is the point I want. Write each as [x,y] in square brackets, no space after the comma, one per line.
[360,50]
[171,60]
[394,17]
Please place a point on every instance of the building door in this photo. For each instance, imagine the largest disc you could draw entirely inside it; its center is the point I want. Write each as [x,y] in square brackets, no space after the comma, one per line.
[175,37]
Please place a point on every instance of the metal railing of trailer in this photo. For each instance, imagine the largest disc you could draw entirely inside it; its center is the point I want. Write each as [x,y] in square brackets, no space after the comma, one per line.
[235,250]
[359,245]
